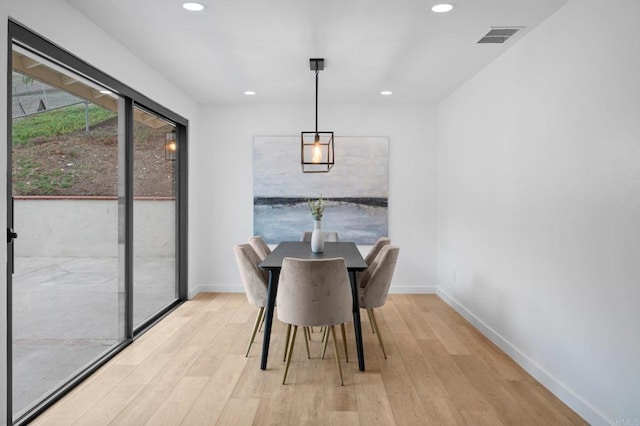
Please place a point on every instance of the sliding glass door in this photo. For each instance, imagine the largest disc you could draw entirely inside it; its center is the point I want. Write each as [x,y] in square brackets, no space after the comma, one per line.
[66,309]
[154,217]
[97,210]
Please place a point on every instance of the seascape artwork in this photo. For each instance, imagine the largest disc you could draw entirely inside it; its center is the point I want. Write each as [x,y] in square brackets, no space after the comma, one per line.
[356,190]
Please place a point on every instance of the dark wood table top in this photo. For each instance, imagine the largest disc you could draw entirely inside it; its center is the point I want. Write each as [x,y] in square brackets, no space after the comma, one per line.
[302,250]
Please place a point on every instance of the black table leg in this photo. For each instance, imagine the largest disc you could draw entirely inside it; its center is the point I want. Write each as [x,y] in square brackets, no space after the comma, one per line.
[272,290]
[357,327]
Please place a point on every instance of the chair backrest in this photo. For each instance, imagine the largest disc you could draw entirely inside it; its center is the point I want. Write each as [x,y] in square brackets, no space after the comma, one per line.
[254,279]
[329,237]
[260,247]
[376,288]
[314,292]
[381,242]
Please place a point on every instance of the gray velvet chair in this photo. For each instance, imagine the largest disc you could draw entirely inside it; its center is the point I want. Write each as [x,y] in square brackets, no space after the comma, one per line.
[312,293]
[377,246]
[254,281]
[329,237]
[373,293]
[363,276]
[260,247]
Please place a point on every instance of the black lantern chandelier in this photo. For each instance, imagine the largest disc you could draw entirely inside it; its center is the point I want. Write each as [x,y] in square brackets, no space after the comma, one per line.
[316,149]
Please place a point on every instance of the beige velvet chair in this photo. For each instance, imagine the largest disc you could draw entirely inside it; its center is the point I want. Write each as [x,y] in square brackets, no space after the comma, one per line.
[329,237]
[260,247]
[314,292]
[363,276]
[374,292]
[377,246]
[254,281]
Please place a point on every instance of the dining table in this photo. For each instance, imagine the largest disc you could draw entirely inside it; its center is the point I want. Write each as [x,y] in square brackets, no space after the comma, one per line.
[302,250]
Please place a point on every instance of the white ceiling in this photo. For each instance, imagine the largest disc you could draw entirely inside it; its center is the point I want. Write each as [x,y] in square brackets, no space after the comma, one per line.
[265,46]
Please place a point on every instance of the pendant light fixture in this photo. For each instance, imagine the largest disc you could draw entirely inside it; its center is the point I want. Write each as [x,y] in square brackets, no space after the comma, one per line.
[316,149]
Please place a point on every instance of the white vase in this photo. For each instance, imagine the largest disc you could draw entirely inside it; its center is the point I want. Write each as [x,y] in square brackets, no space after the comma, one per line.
[317,238]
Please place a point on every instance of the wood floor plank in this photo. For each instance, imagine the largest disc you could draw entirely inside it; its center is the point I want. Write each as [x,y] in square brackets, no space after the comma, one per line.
[494,390]
[445,334]
[497,360]
[458,387]
[176,406]
[404,399]
[537,405]
[149,400]
[80,400]
[148,343]
[191,369]
[373,403]
[211,401]
[341,418]
[482,418]
[125,391]
[239,412]
[423,376]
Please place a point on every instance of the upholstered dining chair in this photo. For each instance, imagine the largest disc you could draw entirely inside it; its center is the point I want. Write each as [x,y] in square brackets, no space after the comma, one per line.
[260,247]
[363,276]
[373,293]
[377,246]
[314,292]
[329,237]
[254,281]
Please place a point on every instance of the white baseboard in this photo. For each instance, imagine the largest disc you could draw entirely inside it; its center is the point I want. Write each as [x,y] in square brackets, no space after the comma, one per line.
[239,289]
[412,289]
[566,395]
[215,289]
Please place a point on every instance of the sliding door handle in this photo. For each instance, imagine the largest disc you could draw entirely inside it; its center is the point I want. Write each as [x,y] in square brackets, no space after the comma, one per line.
[11,235]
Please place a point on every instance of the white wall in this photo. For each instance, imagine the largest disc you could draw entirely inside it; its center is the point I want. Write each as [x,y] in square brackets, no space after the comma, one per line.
[221,174]
[539,206]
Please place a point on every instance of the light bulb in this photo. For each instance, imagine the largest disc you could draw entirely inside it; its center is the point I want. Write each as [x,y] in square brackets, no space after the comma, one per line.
[172,146]
[316,155]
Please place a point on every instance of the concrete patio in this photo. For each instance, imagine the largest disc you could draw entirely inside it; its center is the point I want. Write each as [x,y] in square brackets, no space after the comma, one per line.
[67,311]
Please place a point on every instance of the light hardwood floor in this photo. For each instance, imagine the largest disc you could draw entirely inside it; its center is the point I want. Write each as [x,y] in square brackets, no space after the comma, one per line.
[190,369]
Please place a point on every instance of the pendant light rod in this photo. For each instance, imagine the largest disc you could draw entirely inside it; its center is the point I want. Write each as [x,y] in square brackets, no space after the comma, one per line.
[316,148]
[317,65]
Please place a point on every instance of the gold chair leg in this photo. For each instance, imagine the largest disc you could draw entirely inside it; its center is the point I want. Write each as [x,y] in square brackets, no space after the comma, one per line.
[373,329]
[335,349]
[261,322]
[289,353]
[325,339]
[286,342]
[344,341]
[306,340]
[255,329]
[375,325]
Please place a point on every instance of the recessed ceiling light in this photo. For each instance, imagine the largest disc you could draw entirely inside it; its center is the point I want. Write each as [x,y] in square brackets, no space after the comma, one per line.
[193,6]
[249,92]
[442,8]
[106,92]
[386,92]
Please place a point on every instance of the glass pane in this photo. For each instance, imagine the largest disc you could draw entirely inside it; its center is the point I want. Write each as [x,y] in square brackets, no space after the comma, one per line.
[154,220]
[66,291]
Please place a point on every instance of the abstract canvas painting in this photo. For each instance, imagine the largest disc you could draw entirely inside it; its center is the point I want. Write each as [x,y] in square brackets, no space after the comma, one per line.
[356,189]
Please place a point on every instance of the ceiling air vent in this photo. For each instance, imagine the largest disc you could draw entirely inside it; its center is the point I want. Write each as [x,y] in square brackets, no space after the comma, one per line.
[499,35]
